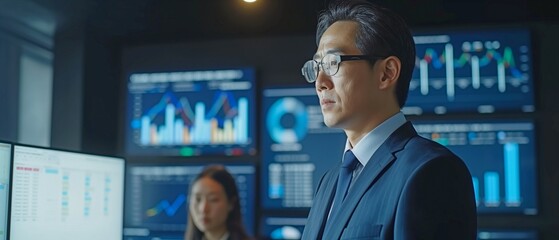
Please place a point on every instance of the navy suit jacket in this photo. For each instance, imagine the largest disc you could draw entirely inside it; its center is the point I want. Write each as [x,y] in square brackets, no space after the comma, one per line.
[412,188]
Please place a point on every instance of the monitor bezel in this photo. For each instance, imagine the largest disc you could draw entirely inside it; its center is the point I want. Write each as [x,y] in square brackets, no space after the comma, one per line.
[110,156]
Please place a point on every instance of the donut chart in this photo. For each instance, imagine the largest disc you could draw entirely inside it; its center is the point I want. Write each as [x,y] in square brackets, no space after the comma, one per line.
[280,133]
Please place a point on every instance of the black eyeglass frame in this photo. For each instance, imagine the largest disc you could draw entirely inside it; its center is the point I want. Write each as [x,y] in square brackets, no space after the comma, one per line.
[339,59]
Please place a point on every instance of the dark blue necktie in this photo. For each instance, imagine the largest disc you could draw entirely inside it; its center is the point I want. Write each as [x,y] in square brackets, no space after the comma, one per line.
[344,178]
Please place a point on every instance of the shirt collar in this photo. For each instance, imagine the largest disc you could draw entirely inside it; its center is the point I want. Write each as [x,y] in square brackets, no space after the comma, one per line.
[368,145]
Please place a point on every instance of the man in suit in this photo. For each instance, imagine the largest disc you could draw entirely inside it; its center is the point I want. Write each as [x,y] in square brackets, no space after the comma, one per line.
[391,183]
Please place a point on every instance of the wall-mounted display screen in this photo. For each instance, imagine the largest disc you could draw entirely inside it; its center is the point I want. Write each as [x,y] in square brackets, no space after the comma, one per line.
[297,148]
[476,71]
[5,167]
[62,195]
[501,156]
[506,234]
[191,113]
[157,198]
[282,227]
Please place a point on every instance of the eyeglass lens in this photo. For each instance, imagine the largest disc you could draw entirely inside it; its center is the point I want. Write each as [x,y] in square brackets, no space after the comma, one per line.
[329,64]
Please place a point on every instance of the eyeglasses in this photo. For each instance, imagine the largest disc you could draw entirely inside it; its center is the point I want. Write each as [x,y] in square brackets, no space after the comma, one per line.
[330,64]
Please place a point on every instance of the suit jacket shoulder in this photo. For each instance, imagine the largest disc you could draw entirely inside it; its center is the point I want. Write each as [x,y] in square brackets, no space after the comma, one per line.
[412,188]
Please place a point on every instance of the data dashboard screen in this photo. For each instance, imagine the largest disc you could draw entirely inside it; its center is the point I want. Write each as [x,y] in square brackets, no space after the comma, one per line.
[282,227]
[506,234]
[5,162]
[157,198]
[297,147]
[191,113]
[478,71]
[501,156]
[66,195]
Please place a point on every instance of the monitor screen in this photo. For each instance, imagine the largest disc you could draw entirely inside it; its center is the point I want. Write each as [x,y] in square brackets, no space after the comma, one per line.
[478,71]
[297,148]
[157,199]
[191,113]
[503,234]
[282,227]
[501,157]
[65,195]
[5,161]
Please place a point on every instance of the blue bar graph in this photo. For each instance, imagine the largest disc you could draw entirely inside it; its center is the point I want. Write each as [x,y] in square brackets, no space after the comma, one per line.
[167,137]
[205,129]
[191,113]
[512,174]
[476,189]
[241,122]
[179,131]
[491,189]
[144,131]
[500,156]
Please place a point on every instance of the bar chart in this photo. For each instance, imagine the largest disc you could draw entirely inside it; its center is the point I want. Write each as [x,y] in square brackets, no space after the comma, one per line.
[478,72]
[511,180]
[181,125]
[500,156]
[191,113]
[504,70]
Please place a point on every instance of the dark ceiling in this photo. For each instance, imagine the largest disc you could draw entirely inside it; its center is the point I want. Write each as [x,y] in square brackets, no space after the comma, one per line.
[161,20]
[221,18]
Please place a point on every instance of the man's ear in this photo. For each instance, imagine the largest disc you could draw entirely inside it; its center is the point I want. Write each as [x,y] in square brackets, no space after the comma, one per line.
[390,72]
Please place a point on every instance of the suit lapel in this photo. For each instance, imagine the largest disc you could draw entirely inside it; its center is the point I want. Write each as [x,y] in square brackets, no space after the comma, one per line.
[381,161]
[321,206]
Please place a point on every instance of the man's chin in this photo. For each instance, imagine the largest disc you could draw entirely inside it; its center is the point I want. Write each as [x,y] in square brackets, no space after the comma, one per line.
[331,123]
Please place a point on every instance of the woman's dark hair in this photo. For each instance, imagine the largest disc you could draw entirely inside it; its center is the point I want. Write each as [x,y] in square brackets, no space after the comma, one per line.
[234,220]
[381,32]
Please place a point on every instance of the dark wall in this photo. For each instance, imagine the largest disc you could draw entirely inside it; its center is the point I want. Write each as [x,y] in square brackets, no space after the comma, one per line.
[68,90]
[547,81]
[278,61]
[9,89]
[101,101]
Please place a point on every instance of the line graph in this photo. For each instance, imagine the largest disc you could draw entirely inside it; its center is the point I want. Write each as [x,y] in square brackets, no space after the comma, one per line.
[472,71]
[500,66]
[164,206]
[191,113]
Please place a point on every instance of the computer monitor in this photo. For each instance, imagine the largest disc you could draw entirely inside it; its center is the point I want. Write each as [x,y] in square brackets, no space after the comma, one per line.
[157,198]
[507,234]
[501,156]
[472,71]
[284,227]
[60,194]
[191,113]
[5,168]
[297,147]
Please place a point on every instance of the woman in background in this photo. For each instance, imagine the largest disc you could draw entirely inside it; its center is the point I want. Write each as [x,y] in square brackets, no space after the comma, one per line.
[214,209]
